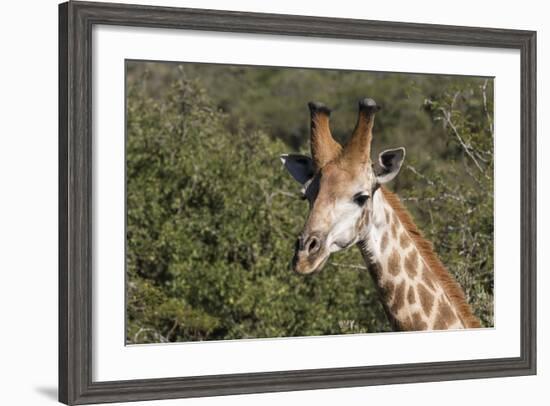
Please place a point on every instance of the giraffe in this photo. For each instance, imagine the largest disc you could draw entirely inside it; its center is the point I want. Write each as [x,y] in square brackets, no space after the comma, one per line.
[348,205]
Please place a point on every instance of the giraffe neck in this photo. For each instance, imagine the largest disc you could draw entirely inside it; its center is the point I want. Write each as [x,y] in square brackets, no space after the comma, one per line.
[416,291]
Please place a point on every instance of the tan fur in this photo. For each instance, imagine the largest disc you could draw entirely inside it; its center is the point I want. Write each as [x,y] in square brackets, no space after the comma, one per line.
[447,282]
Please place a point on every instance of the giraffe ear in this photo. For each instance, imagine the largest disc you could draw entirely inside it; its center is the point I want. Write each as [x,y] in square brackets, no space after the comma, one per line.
[389,164]
[300,167]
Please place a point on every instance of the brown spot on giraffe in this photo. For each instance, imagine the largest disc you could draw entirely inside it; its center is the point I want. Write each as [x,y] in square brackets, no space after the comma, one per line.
[394,230]
[375,270]
[394,263]
[384,242]
[439,325]
[411,297]
[426,299]
[386,290]
[404,240]
[387,213]
[398,298]
[407,324]
[427,278]
[419,324]
[411,263]
[445,316]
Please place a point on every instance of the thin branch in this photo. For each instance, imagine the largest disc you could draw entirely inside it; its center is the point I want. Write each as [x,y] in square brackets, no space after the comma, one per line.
[432,183]
[158,336]
[339,264]
[447,117]
[443,196]
[475,178]
[485,109]
[454,100]
[413,170]
[174,326]
[283,193]
[448,120]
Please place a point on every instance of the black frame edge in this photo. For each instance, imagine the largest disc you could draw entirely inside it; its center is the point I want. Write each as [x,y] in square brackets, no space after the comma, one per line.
[63,341]
[528,203]
[75,170]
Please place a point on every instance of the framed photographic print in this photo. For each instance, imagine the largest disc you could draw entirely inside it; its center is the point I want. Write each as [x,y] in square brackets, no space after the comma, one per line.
[257,202]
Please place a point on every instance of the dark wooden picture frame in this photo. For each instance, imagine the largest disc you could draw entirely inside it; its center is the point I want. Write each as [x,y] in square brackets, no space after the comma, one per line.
[76,20]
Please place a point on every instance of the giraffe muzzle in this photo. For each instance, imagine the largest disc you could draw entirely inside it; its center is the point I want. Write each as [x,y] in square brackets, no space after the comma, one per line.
[309,254]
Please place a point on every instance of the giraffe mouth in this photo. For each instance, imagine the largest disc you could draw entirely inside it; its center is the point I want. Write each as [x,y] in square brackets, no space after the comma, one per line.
[309,265]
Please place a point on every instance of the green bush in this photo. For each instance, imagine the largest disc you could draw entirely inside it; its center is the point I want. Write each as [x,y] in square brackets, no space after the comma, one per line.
[212,217]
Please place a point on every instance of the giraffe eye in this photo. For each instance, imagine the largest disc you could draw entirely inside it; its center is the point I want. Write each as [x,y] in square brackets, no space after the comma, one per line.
[360,199]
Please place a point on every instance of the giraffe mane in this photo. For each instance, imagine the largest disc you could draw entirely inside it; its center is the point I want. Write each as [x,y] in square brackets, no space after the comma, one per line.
[425,248]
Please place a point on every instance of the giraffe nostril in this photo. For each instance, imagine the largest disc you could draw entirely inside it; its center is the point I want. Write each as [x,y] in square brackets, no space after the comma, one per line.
[312,245]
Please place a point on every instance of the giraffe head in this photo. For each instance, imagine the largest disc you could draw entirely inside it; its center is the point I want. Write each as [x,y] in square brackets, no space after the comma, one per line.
[339,183]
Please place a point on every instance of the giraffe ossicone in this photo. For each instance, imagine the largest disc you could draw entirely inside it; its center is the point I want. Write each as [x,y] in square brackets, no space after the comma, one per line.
[350,206]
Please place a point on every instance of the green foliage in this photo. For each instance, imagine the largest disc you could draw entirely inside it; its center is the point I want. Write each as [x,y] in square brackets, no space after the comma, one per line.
[458,215]
[212,217]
